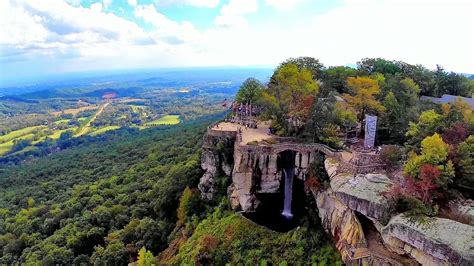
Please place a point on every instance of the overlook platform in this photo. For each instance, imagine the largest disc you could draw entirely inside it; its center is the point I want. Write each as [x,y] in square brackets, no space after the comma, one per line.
[248,134]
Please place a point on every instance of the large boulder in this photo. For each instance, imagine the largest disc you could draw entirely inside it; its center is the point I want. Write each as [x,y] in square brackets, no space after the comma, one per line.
[362,193]
[438,242]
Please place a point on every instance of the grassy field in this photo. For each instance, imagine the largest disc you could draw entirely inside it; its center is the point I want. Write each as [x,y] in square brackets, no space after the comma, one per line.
[55,135]
[18,133]
[7,146]
[165,120]
[58,133]
[62,121]
[103,130]
[75,111]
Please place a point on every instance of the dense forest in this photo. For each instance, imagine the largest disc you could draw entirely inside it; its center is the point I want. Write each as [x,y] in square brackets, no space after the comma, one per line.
[122,197]
[84,204]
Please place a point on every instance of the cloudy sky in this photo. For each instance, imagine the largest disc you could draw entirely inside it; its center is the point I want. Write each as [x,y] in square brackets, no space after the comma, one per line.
[51,36]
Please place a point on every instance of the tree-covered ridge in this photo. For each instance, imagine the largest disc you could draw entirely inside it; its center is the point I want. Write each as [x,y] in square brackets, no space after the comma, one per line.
[98,202]
[302,91]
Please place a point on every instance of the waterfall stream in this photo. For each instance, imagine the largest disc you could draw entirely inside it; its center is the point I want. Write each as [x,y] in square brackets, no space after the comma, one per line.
[288,173]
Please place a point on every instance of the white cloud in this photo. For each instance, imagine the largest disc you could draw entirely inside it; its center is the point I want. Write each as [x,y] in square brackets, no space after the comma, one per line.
[232,14]
[18,27]
[240,7]
[283,5]
[107,3]
[132,2]
[196,3]
[167,30]
[57,29]
[78,38]
[417,31]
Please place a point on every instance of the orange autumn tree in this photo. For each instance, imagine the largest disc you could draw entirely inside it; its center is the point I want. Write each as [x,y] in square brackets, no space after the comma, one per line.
[295,91]
[362,97]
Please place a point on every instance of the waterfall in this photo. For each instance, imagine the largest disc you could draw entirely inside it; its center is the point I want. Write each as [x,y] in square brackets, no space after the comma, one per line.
[288,173]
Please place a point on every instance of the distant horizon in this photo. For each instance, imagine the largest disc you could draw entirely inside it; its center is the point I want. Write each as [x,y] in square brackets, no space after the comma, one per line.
[19,82]
[67,76]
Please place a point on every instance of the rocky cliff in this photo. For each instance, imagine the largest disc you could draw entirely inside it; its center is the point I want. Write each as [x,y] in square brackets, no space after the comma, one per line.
[350,205]
[439,242]
[217,159]
[340,221]
[361,193]
[254,172]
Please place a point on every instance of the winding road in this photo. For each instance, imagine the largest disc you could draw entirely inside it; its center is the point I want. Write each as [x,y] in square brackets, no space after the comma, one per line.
[83,130]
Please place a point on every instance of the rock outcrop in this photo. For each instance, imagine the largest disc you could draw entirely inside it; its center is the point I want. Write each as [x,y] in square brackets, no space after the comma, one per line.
[340,221]
[217,159]
[362,192]
[254,172]
[346,207]
[439,242]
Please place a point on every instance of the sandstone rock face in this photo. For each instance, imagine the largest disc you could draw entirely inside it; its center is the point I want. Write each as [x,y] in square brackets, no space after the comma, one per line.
[441,242]
[253,173]
[361,193]
[216,160]
[254,170]
[340,221]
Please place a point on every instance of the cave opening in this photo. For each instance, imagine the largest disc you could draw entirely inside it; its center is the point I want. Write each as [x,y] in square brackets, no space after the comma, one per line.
[269,211]
[375,243]
[368,226]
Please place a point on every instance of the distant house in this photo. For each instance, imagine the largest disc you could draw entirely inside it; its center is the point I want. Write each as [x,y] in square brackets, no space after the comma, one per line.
[448,99]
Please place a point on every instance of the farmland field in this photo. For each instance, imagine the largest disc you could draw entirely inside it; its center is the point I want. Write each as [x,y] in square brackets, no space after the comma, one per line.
[165,120]
[75,111]
[18,133]
[32,123]
[103,130]
[7,146]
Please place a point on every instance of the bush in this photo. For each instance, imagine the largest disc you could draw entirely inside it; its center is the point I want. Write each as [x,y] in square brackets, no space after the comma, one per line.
[391,155]
[415,210]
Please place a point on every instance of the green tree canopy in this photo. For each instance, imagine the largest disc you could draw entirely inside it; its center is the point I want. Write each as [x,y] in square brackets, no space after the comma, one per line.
[250,91]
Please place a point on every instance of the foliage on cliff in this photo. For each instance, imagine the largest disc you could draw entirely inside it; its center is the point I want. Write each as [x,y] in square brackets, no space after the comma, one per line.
[226,237]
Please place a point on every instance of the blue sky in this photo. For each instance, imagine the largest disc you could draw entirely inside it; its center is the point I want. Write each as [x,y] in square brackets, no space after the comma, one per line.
[38,38]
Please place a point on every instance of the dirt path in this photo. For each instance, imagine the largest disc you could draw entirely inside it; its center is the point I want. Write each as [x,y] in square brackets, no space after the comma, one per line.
[83,130]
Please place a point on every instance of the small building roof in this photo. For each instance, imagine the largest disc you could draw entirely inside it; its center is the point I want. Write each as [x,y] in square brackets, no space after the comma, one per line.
[446,98]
